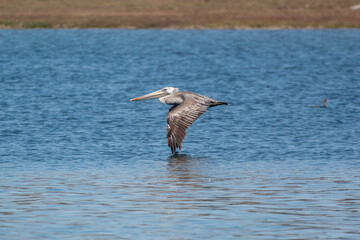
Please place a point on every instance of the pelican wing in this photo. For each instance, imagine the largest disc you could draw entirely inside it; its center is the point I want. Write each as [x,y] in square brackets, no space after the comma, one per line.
[179,118]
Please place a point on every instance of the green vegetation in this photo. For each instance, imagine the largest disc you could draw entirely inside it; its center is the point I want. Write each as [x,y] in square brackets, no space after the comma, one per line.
[178,14]
[37,24]
[8,23]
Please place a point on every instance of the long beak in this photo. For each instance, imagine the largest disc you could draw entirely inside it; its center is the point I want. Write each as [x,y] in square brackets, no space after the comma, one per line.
[157,94]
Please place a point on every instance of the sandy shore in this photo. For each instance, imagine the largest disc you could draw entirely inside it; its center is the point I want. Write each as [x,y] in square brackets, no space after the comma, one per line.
[189,14]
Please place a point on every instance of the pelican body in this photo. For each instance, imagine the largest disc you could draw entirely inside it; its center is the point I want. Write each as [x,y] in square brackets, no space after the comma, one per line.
[186,108]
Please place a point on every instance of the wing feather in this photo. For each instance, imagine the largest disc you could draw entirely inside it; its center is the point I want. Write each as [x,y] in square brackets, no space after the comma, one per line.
[179,118]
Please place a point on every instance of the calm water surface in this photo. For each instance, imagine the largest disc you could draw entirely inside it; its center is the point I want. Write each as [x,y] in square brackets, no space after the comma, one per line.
[79,161]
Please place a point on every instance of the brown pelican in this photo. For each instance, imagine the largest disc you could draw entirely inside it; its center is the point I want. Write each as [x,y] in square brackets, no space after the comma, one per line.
[323,106]
[187,107]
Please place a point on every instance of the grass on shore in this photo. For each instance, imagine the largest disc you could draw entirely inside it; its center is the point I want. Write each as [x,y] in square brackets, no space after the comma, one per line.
[179,14]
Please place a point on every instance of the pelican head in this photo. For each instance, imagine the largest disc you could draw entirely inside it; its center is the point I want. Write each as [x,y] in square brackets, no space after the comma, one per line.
[157,94]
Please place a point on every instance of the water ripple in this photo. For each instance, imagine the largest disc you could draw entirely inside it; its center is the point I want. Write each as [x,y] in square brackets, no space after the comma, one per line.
[79,161]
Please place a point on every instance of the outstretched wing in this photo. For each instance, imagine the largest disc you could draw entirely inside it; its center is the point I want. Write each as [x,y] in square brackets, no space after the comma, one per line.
[179,118]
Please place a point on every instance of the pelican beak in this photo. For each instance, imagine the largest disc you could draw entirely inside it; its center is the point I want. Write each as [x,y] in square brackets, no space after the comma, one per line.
[157,94]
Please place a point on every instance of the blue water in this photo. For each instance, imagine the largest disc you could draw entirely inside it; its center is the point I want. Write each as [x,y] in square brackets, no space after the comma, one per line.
[79,161]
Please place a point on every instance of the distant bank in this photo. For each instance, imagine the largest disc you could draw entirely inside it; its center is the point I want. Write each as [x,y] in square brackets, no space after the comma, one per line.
[217,14]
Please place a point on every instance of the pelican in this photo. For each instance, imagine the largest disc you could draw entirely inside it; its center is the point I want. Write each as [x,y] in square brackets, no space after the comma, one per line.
[324,104]
[187,107]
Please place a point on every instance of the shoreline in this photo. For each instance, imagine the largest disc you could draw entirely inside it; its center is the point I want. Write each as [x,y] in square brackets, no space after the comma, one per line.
[183,28]
[263,25]
[173,14]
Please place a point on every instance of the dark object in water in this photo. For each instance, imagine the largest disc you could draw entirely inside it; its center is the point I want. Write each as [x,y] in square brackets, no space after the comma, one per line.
[323,106]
